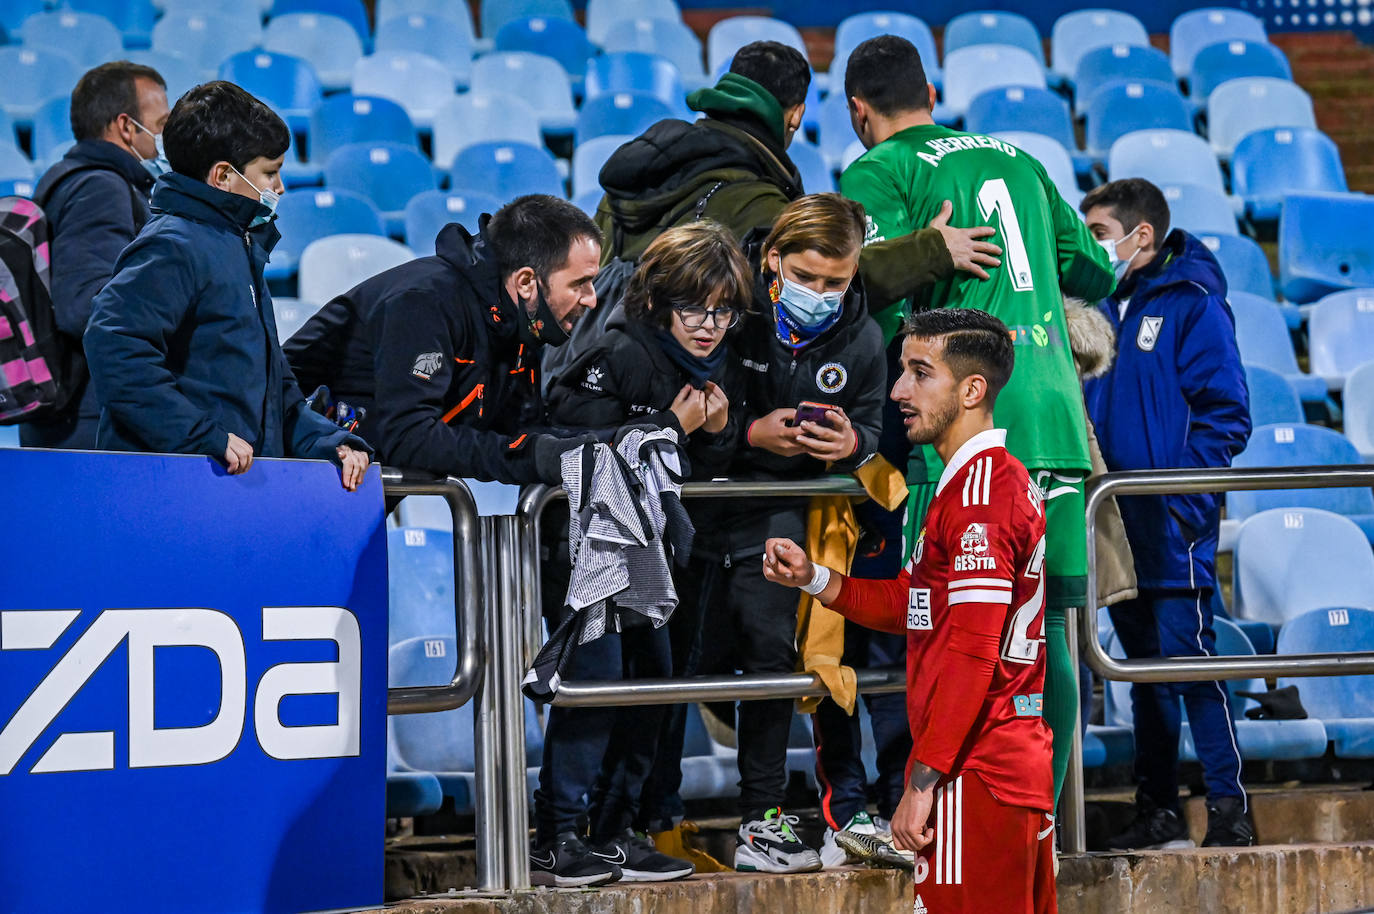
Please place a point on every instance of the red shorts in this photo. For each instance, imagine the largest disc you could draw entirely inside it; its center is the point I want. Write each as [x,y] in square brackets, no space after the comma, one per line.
[986,856]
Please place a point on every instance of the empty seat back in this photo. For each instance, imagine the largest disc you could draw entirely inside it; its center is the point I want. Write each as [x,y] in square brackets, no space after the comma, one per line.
[427,213]
[1357,401]
[1341,332]
[1021,108]
[1165,156]
[333,265]
[1289,561]
[1294,445]
[1241,106]
[1119,63]
[1121,108]
[1235,59]
[1076,33]
[1322,244]
[979,67]
[1272,399]
[729,35]
[1243,262]
[1194,30]
[993,27]
[1331,630]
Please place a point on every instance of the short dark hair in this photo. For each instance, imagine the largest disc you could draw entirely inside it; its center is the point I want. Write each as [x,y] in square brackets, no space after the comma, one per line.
[689,264]
[779,68]
[975,343]
[1132,201]
[887,73]
[106,92]
[220,122]
[537,231]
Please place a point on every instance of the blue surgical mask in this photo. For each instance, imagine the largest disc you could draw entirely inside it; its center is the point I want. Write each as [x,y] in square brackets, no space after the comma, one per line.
[267,198]
[1119,266]
[158,164]
[808,308]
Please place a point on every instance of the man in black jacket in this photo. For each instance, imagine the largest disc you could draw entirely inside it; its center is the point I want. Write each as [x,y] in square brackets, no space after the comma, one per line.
[96,200]
[443,351]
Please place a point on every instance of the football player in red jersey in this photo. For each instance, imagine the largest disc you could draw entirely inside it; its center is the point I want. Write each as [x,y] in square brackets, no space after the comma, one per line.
[971,602]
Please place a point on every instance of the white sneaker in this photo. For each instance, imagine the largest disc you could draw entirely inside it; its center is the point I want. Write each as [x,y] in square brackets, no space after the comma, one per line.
[832,855]
[769,845]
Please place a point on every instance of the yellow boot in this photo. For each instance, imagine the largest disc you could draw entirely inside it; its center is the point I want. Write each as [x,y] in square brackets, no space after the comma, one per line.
[674,843]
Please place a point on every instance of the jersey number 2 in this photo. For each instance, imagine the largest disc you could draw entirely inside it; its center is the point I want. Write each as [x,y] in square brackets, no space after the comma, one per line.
[994,197]
[1019,646]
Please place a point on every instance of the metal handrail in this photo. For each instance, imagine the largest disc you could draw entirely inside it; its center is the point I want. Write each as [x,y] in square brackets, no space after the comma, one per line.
[467,595]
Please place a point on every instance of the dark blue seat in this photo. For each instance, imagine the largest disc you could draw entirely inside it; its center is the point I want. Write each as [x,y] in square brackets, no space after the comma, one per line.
[1322,244]
[1295,445]
[496,13]
[430,211]
[285,82]
[409,793]
[1194,30]
[1077,33]
[1118,63]
[1235,59]
[623,113]
[351,11]
[14,12]
[133,18]
[346,118]
[388,174]
[1344,704]
[305,215]
[1262,335]
[1023,108]
[1272,399]
[507,171]
[1246,268]
[1120,108]
[1269,164]
[993,27]
[561,39]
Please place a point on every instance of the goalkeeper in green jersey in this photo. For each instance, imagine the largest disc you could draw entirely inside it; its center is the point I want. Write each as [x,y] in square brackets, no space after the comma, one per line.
[911,169]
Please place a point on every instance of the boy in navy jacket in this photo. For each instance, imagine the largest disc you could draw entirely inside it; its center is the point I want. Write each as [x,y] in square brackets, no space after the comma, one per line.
[1175,398]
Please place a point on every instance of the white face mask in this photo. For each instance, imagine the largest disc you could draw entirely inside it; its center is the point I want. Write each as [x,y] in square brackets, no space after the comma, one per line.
[1119,266]
[267,198]
[158,164]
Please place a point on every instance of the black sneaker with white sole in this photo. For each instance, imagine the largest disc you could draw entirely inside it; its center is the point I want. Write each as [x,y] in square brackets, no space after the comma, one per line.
[567,863]
[769,845]
[640,861]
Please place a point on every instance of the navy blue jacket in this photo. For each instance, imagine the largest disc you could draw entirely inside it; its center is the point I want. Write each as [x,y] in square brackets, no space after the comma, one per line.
[182,343]
[96,200]
[1176,397]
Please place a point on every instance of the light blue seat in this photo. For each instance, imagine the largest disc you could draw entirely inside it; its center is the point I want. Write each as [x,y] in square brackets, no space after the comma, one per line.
[978,68]
[561,39]
[1075,34]
[1246,268]
[1344,704]
[635,71]
[1301,446]
[291,314]
[1292,560]
[430,211]
[729,35]
[1357,403]
[178,72]
[992,27]
[1239,107]
[589,202]
[496,13]
[1199,209]
[133,18]
[14,165]
[346,118]
[333,265]
[388,174]
[420,583]
[1125,107]
[1262,335]
[34,76]
[54,156]
[671,39]
[417,82]
[816,175]
[1119,63]
[205,39]
[306,215]
[9,436]
[351,11]
[507,171]
[709,770]
[622,113]
[1272,399]
[329,44]
[1322,244]
[836,130]
[86,38]
[1165,156]
[588,158]
[857,28]
[52,129]
[287,83]
[1021,108]
[255,10]
[1050,153]
[1341,334]
[1194,30]
[1235,59]
[479,117]
[603,14]
[538,80]
[448,39]
[1271,163]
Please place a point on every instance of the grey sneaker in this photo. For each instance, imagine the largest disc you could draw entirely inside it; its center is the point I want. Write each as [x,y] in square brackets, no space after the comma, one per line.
[769,845]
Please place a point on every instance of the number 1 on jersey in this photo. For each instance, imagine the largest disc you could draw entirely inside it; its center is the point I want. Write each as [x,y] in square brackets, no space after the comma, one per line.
[994,197]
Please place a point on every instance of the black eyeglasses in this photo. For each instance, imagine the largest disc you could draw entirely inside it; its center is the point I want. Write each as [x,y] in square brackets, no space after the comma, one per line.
[694,317]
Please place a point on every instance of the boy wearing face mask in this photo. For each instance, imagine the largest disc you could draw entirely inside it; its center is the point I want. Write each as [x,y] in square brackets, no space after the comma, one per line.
[182,342]
[1175,397]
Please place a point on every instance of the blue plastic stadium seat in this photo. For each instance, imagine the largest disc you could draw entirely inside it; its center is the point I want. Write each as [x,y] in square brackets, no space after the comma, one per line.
[304,216]
[420,582]
[602,15]
[539,81]
[7,132]
[1200,209]
[1124,107]
[1302,445]
[1058,163]
[1322,244]
[507,171]
[1341,334]
[623,113]
[817,178]
[561,39]
[178,72]
[346,118]
[1357,403]
[978,68]
[635,71]
[430,211]
[1165,156]
[672,39]
[1292,560]
[9,436]
[205,39]
[409,793]
[327,43]
[1262,335]
[1344,704]
[1075,34]
[133,18]
[291,314]
[285,82]
[255,10]
[729,35]
[479,117]
[992,27]
[1119,63]
[1271,163]
[855,29]
[1194,30]
[496,13]
[709,770]
[52,129]
[14,12]
[417,82]
[14,165]
[1021,108]
[333,265]
[34,76]
[448,39]
[589,202]
[1246,267]
[1235,59]
[388,174]
[17,187]
[836,130]
[351,11]
[86,38]
[588,158]
[1239,107]
[1107,745]
[1272,399]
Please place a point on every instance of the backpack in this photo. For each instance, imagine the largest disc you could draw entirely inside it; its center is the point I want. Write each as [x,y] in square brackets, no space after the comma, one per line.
[32,351]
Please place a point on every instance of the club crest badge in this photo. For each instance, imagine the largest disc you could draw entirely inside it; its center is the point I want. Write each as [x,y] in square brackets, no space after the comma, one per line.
[1149,333]
[832,377]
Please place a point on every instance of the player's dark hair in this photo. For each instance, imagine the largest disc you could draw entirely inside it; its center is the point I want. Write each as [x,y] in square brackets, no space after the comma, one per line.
[886,72]
[975,343]
[106,92]
[220,122]
[537,231]
[779,68]
[1131,202]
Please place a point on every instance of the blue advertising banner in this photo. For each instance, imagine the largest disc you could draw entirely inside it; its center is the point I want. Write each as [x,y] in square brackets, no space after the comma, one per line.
[192,685]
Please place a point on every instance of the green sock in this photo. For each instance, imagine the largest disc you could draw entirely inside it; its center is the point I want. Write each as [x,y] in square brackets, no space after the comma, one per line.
[1061,695]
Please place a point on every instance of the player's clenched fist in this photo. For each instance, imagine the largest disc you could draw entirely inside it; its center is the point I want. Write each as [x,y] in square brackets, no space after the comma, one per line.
[785,563]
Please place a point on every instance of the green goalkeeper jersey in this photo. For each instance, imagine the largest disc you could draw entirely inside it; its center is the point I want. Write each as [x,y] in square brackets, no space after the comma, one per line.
[1047,252]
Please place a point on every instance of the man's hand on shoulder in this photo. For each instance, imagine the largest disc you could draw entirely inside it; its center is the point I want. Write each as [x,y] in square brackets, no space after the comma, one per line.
[966,250]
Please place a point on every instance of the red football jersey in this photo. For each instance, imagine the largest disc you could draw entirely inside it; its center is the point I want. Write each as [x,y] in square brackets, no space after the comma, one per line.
[972,604]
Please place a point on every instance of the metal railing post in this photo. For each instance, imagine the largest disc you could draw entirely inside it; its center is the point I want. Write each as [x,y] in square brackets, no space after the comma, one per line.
[1072,808]
[510,662]
[488,724]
